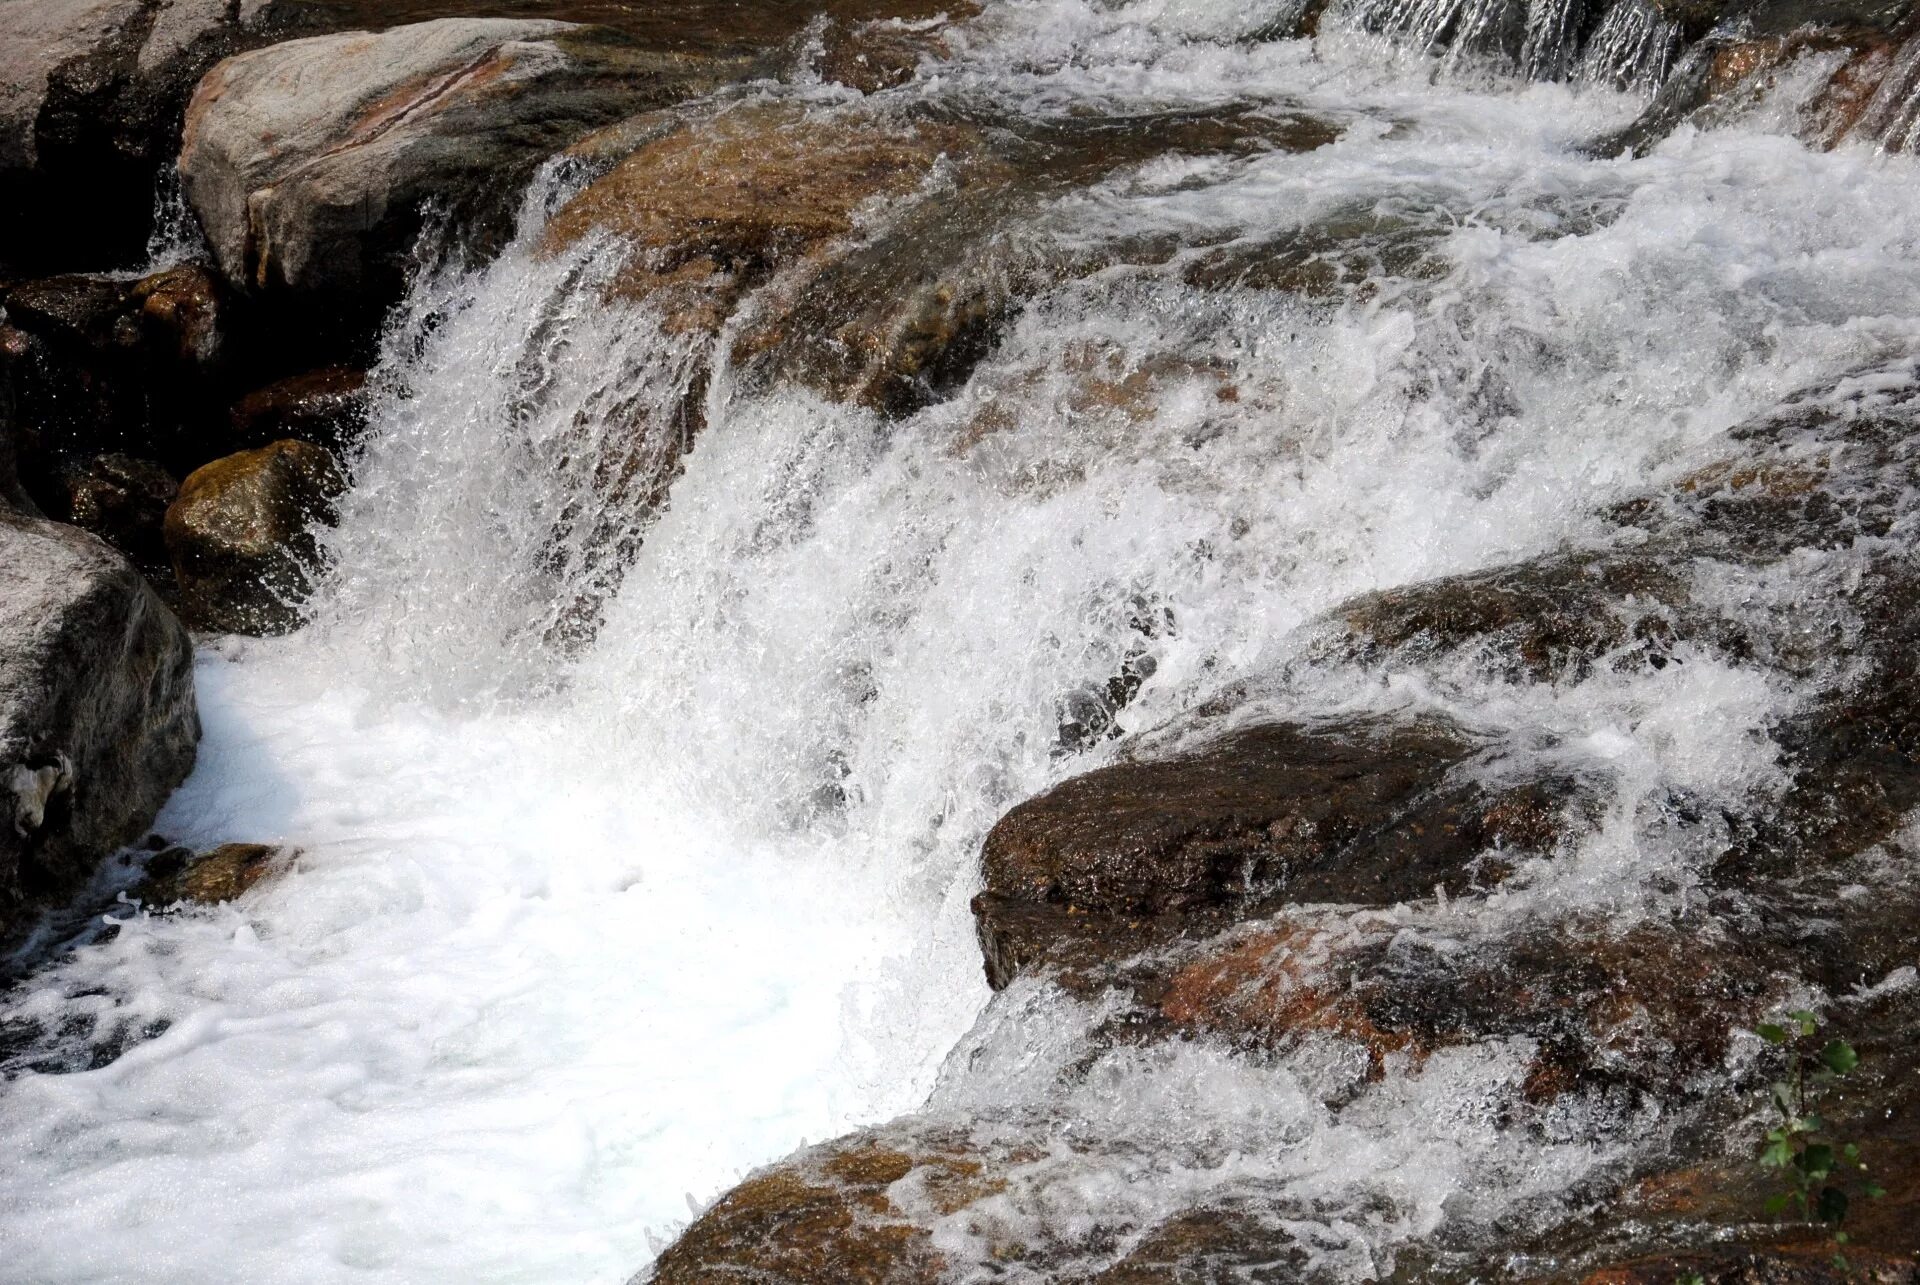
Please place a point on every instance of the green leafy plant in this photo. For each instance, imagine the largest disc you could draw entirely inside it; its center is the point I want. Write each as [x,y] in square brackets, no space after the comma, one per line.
[1816,1168]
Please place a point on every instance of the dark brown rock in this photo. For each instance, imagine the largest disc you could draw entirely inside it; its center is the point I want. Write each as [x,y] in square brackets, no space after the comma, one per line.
[1645,1008]
[1547,619]
[1265,808]
[122,500]
[326,406]
[1362,811]
[241,539]
[101,366]
[181,309]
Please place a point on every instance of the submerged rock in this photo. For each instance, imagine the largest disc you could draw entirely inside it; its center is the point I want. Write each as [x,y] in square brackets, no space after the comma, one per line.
[308,162]
[208,878]
[1781,1265]
[241,536]
[97,715]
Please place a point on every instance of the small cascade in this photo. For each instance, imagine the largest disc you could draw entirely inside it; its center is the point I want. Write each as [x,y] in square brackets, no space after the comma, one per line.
[1455,28]
[642,747]
[1627,45]
[175,236]
[1552,47]
[1891,118]
[1634,48]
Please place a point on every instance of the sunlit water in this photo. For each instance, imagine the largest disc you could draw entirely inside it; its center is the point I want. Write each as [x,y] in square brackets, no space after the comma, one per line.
[578,936]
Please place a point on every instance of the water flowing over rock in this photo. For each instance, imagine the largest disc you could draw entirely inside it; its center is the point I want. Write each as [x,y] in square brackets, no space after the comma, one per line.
[1285,530]
[97,715]
[1187,896]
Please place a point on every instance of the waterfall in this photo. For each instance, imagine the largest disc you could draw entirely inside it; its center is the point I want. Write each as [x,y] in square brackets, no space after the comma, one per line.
[637,822]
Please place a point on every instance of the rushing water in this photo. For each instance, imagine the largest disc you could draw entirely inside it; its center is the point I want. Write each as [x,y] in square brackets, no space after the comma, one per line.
[581,932]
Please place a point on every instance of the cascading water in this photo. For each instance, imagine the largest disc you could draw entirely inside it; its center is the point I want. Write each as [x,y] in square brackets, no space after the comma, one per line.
[635,842]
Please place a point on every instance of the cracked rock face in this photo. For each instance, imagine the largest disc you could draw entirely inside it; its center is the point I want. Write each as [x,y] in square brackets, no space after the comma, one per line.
[97,714]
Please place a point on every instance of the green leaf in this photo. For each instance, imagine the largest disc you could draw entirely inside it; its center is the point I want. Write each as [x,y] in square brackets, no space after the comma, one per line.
[1772,1034]
[1817,1160]
[1841,1238]
[1850,1151]
[1875,1191]
[1814,1124]
[1778,1155]
[1832,1207]
[1777,1203]
[1808,1022]
[1839,1057]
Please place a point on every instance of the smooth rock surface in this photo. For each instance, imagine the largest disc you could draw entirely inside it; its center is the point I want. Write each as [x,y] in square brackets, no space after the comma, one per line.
[308,162]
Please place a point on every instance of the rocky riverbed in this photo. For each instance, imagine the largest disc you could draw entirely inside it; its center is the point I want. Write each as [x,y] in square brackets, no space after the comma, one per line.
[1223,644]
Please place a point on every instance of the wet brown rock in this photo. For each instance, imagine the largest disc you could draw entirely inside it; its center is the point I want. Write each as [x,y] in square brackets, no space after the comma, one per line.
[181,310]
[1204,1245]
[829,1214]
[1734,65]
[326,406]
[1367,812]
[1345,256]
[1363,811]
[714,208]
[240,536]
[1077,948]
[1268,807]
[1546,619]
[1645,1008]
[218,875]
[101,366]
[122,500]
[1810,1264]
[874,54]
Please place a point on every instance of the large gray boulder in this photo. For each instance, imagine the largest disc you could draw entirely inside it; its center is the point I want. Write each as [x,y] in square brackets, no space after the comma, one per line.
[308,162]
[97,715]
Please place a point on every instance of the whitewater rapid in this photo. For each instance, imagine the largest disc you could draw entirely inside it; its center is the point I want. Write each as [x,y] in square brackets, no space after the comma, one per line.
[579,934]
